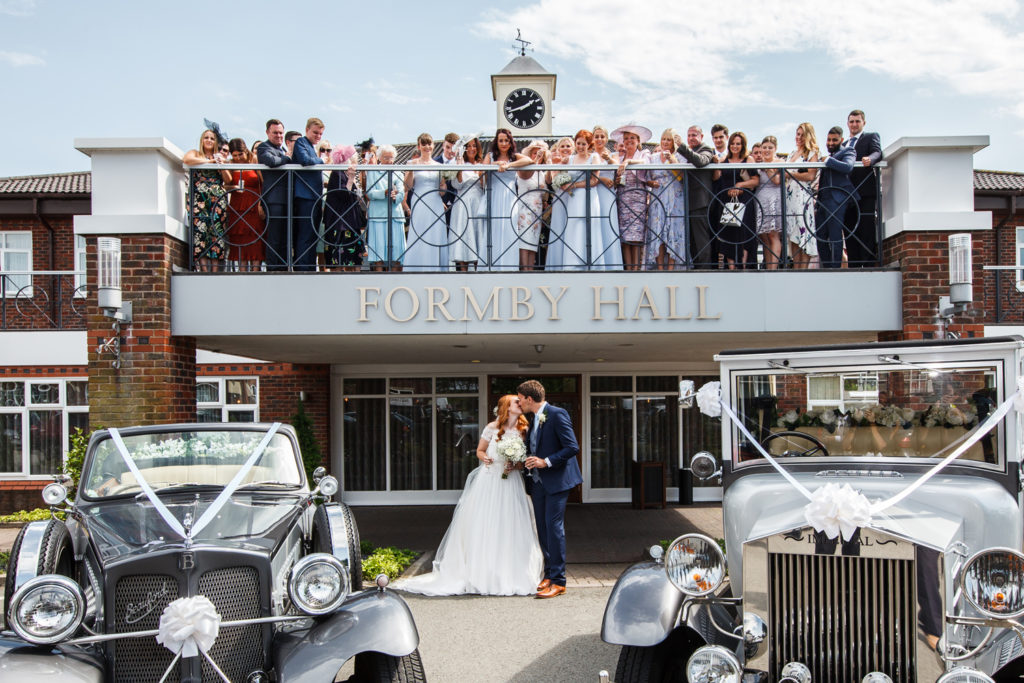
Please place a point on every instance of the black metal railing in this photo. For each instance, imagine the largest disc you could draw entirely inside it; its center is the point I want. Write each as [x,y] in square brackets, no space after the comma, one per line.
[42,300]
[564,217]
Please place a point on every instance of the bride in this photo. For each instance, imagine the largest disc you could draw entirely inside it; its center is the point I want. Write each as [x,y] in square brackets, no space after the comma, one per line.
[491,546]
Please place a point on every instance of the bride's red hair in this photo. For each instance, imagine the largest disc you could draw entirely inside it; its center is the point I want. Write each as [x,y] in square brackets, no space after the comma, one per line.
[503,405]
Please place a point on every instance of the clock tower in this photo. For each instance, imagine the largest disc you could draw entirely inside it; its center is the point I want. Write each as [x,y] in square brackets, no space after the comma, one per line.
[523,91]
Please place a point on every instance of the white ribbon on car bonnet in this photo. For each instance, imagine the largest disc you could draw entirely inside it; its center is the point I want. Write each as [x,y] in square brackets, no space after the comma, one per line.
[835,509]
[219,501]
[188,628]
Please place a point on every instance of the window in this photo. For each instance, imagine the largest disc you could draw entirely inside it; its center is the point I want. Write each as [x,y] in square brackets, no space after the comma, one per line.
[16,255]
[227,399]
[1020,254]
[36,421]
[80,290]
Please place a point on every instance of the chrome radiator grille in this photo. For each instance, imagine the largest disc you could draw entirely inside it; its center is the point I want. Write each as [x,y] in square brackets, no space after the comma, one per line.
[141,598]
[843,616]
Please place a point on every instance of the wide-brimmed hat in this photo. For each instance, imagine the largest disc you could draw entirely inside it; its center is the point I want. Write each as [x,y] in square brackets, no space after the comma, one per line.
[342,154]
[641,132]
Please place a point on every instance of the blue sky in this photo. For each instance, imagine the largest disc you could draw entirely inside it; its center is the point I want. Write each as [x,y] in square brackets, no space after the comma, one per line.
[395,69]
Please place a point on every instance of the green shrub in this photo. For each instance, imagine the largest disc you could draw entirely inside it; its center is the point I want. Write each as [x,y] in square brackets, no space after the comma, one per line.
[5,558]
[391,561]
[23,516]
[76,457]
[311,457]
[366,548]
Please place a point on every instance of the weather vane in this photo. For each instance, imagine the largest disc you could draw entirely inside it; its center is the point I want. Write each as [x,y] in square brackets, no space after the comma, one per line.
[522,43]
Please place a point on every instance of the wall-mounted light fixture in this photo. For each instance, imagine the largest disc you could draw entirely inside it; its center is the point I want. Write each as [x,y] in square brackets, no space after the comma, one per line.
[961,283]
[108,293]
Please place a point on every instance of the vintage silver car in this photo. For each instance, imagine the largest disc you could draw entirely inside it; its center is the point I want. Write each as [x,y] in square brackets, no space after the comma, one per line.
[199,552]
[906,568]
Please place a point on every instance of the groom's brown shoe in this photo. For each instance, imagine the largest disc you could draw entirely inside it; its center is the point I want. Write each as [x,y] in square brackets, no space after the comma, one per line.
[551,591]
[543,586]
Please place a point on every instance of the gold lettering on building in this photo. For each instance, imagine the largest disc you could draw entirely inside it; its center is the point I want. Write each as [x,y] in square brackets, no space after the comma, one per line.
[646,301]
[553,300]
[470,300]
[702,304]
[412,297]
[433,303]
[673,313]
[619,300]
[365,302]
[521,299]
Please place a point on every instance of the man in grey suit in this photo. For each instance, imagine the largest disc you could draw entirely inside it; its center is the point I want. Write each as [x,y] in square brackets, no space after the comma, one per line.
[703,245]
[273,153]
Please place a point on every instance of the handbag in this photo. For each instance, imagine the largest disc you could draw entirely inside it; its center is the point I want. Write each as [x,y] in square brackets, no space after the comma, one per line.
[732,214]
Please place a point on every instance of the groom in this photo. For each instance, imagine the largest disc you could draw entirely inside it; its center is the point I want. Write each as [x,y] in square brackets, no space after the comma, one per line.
[552,463]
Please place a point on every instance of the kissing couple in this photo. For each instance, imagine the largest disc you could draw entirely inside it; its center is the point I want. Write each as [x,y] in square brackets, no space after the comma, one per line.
[500,542]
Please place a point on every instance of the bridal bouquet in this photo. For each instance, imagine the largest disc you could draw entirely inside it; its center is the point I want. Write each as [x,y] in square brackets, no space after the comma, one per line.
[513,450]
[561,179]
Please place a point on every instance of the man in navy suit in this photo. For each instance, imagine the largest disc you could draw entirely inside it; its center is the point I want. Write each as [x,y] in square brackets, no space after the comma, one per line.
[555,472]
[273,153]
[862,240]
[306,191]
[835,193]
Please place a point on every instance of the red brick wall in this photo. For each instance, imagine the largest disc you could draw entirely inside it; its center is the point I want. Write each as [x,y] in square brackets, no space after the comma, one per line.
[1002,303]
[924,261]
[156,381]
[52,305]
[21,495]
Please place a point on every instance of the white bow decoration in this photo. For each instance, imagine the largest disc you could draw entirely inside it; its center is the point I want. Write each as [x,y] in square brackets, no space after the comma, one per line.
[188,626]
[838,510]
[709,399]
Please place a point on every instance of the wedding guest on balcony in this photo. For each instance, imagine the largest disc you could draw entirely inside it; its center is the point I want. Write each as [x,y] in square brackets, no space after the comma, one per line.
[344,213]
[504,240]
[835,193]
[666,214]
[246,215]
[755,153]
[719,137]
[702,243]
[631,193]
[289,139]
[800,184]
[582,237]
[273,153]
[738,242]
[307,190]
[447,156]
[558,180]
[209,204]
[769,222]
[385,231]
[324,150]
[862,239]
[611,258]
[466,225]
[428,233]
[529,207]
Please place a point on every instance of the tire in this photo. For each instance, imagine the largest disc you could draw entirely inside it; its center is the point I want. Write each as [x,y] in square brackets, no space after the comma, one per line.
[56,557]
[322,540]
[375,667]
[656,664]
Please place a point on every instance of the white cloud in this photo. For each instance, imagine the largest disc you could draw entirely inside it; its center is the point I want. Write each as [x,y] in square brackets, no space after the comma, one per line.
[18,8]
[675,63]
[393,93]
[20,59]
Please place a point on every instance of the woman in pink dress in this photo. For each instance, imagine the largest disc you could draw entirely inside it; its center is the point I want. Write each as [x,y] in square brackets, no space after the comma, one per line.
[631,194]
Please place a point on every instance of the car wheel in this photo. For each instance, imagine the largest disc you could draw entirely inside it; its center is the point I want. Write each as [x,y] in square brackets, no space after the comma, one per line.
[323,538]
[55,556]
[654,664]
[376,667]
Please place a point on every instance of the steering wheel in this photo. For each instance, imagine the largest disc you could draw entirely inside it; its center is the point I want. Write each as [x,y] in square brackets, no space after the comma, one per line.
[818,445]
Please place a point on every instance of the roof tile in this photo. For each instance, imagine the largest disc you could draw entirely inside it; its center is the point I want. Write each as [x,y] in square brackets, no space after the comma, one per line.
[79,182]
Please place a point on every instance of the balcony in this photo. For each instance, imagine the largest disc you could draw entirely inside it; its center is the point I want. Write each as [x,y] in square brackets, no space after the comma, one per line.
[42,300]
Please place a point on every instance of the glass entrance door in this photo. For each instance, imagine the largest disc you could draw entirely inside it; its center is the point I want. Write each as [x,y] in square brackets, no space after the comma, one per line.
[559,390]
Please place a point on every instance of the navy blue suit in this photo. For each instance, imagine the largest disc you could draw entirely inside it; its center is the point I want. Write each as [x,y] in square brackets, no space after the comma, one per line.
[835,191]
[862,239]
[276,197]
[556,442]
[307,189]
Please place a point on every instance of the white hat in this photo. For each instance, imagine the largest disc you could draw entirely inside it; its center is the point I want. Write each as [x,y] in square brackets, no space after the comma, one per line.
[641,132]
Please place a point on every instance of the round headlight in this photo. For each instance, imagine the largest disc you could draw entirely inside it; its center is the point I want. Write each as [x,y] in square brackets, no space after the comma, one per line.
[712,664]
[695,564]
[318,583]
[992,579]
[328,485]
[703,465]
[47,609]
[54,494]
[795,672]
[876,677]
[964,675]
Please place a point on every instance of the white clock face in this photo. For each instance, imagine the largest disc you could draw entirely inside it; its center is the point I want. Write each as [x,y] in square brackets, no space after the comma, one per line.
[524,108]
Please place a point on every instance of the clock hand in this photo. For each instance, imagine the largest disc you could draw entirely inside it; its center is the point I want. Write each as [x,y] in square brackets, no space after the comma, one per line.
[525,105]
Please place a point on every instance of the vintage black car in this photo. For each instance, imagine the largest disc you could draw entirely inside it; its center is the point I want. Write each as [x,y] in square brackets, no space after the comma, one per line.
[199,552]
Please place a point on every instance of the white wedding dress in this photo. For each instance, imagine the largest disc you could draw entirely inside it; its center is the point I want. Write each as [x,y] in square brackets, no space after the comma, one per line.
[491,545]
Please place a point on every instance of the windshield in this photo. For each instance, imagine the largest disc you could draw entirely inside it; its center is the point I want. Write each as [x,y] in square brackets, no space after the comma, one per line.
[204,458]
[904,412]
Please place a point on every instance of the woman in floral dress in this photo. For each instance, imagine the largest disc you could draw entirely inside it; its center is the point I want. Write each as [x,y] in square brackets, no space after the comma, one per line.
[631,194]
[666,216]
[529,207]
[803,245]
[209,208]
[769,223]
